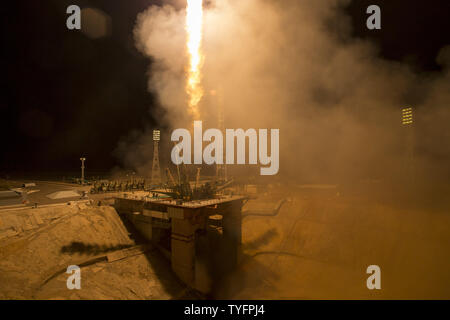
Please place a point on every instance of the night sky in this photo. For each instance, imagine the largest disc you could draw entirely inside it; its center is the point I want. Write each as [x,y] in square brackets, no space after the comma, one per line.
[66,95]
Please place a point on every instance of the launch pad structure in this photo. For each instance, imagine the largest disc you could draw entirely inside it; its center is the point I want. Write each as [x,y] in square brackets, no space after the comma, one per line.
[202,238]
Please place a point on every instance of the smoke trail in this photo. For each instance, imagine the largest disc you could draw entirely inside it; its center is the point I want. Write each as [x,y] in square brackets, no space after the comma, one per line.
[194,22]
[294,66]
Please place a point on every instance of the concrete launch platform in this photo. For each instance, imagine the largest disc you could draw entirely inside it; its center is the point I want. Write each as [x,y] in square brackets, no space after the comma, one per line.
[194,233]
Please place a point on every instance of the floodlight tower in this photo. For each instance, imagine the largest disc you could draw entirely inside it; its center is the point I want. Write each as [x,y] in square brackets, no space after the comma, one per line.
[408,125]
[156,171]
[407,116]
[82,169]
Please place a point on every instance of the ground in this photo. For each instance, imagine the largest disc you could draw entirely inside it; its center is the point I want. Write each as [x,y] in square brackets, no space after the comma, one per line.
[33,261]
[318,246]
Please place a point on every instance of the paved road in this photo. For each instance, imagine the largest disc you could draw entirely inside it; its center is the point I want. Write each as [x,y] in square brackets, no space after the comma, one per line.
[10,198]
[38,194]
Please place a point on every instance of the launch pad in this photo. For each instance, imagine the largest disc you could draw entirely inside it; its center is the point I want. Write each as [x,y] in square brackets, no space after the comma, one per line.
[202,238]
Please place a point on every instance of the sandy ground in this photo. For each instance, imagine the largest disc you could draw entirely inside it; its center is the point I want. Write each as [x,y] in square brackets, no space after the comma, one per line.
[317,247]
[320,248]
[33,263]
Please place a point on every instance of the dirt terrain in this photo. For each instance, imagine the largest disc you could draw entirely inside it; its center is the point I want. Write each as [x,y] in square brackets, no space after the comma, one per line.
[34,258]
[317,247]
[320,247]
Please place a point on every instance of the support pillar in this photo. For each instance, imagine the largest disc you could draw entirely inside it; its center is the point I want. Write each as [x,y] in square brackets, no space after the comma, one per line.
[232,232]
[183,250]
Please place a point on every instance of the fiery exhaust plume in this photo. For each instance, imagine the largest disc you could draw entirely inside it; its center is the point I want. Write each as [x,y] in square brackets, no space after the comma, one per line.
[194,22]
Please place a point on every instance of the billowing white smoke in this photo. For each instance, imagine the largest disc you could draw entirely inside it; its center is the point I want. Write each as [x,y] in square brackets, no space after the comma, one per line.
[292,65]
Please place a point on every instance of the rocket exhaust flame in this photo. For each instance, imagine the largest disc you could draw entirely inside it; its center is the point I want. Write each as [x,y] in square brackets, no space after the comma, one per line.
[194,23]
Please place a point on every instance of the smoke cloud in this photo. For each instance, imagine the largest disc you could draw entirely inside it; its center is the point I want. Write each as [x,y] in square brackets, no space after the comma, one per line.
[293,66]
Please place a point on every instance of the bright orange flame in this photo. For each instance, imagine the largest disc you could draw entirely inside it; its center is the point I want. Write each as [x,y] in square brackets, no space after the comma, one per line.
[194,23]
